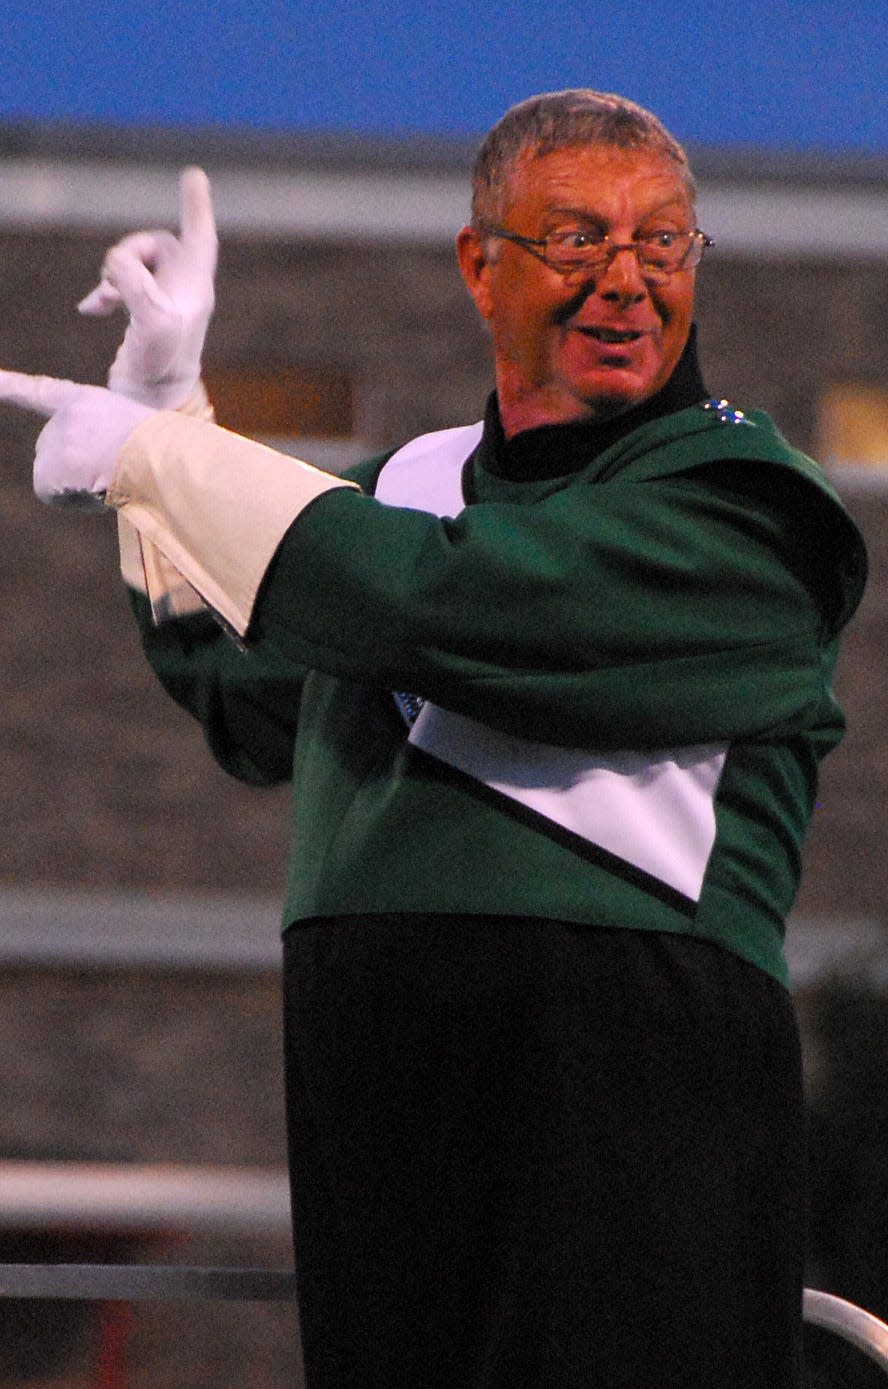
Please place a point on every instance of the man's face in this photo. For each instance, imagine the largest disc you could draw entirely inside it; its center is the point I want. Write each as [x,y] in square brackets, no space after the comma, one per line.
[583,345]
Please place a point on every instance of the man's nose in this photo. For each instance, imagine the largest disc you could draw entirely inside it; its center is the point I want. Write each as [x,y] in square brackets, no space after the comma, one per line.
[622,281]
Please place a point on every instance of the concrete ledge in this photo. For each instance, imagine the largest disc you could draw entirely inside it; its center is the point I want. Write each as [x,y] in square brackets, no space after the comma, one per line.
[748,218]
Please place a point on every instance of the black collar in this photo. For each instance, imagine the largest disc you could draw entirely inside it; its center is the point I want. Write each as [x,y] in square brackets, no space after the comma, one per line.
[554,450]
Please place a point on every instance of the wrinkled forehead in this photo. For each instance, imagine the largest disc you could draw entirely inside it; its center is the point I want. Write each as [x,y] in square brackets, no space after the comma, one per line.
[535,169]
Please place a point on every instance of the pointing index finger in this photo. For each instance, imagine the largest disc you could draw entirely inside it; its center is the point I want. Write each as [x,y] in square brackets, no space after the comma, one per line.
[197,220]
[44,394]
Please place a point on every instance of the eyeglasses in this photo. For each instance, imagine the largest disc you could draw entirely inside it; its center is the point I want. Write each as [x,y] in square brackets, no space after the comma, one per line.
[571,249]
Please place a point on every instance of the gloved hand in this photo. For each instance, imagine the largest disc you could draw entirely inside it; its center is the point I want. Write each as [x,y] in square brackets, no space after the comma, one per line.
[166,285]
[77,451]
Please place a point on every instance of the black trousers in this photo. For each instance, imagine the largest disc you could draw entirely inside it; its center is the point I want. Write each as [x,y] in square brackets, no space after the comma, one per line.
[527,1153]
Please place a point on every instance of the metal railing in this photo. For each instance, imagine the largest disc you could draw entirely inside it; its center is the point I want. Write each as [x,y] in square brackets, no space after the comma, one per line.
[128,1206]
[146,1283]
[851,1323]
[113,1288]
[125,1283]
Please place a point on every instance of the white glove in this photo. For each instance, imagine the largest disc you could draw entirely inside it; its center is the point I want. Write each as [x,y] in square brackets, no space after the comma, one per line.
[166,285]
[77,451]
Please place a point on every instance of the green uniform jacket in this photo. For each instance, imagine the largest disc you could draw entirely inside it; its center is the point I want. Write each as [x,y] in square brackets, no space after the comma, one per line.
[685,590]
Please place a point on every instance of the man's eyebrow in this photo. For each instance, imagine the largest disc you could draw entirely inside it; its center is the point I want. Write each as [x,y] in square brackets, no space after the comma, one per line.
[585,215]
[575,212]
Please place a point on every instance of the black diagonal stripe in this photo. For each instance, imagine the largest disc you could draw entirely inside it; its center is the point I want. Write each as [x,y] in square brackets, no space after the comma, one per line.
[567,839]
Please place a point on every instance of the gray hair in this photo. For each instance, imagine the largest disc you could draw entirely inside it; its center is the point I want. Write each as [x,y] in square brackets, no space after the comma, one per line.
[563,120]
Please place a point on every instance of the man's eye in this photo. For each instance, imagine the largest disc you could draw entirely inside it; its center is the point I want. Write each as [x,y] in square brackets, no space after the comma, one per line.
[573,239]
[662,240]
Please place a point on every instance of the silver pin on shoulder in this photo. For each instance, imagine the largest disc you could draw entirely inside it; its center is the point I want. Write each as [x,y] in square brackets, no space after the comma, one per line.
[726,412]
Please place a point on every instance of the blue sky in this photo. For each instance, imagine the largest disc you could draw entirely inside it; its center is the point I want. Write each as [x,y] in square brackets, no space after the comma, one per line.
[799,75]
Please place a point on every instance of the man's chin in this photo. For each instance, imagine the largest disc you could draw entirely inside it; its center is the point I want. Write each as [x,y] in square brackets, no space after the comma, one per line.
[614,389]
[597,396]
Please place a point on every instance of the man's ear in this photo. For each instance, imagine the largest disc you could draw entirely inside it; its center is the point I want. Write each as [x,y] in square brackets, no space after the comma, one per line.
[475,266]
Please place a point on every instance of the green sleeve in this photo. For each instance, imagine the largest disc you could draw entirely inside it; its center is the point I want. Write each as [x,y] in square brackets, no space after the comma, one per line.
[246,703]
[677,610]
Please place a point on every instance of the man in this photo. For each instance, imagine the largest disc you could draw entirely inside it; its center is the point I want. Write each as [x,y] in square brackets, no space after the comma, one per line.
[552,691]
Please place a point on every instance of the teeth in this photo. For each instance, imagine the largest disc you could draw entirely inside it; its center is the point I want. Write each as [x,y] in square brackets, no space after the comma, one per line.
[611,335]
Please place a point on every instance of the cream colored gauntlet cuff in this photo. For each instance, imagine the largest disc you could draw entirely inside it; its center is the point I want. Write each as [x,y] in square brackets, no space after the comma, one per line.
[216,505]
[143,567]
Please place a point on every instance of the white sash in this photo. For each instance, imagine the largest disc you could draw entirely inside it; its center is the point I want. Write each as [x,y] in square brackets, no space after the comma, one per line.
[654,811]
[426,474]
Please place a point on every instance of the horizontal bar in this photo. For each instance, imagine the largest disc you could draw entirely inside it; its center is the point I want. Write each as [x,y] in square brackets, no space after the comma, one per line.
[78,927]
[143,1197]
[138,1283]
[59,928]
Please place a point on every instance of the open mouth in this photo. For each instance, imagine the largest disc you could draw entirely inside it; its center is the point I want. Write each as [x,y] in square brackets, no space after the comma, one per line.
[613,335]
